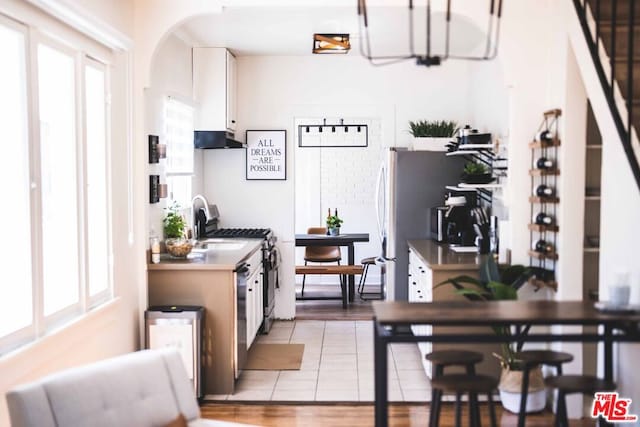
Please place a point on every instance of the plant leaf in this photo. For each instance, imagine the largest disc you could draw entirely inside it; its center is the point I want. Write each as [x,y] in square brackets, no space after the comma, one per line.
[502,292]
[474,295]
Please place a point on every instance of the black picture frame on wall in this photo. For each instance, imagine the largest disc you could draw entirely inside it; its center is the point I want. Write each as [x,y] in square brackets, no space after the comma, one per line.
[266,155]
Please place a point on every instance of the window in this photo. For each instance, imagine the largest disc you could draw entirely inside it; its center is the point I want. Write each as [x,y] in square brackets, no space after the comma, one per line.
[57,162]
[178,120]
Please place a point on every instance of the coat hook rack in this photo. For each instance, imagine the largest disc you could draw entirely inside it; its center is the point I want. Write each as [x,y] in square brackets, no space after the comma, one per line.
[339,136]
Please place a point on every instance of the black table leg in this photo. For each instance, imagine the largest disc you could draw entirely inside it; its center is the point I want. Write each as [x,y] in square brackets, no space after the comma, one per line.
[608,363]
[352,278]
[380,375]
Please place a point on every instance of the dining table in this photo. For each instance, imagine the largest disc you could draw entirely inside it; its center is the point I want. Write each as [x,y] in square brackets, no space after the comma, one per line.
[392,321]
[343,240]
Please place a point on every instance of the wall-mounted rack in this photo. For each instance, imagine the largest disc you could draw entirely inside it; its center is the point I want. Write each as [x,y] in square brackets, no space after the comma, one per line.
[544,172]
[339,134]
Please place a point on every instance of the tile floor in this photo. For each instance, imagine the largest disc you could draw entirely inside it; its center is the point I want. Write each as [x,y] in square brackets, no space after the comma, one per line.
[337,365]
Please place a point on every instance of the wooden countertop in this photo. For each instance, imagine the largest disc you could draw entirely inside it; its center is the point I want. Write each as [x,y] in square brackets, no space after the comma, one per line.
[440,257]
[212,259]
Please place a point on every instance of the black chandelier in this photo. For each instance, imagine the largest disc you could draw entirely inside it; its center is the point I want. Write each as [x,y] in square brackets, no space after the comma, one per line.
[428,59]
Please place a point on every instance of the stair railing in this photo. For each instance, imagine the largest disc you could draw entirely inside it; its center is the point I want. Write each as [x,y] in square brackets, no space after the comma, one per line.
[625,130]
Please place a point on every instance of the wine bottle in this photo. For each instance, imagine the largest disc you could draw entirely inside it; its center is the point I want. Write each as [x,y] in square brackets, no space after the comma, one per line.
[543,219]
[544,136]
[543,246]
[544,191]
[544,163]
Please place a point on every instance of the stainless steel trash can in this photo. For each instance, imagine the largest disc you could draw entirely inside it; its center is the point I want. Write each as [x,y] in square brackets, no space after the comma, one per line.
[180,327]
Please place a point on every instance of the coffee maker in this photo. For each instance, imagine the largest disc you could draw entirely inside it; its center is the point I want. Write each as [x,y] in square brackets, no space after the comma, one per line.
[459,222]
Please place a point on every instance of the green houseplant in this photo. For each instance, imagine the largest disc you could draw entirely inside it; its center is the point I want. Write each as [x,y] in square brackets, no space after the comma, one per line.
[175,227]
[476,173]
[496,284]
[333,223]
[433,129]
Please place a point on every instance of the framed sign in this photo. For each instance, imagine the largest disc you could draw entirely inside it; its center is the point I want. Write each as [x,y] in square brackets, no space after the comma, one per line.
[267,154]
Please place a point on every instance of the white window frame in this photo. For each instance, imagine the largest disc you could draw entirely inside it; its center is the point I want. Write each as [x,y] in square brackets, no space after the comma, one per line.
[83,55]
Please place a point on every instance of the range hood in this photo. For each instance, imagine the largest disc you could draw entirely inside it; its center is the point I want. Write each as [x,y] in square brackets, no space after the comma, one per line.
[215,139]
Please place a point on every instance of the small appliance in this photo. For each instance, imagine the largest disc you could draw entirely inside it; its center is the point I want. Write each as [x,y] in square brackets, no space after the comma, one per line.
[438,224]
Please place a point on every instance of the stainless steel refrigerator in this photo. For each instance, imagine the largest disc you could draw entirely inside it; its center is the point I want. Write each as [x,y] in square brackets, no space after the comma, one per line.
[409,184]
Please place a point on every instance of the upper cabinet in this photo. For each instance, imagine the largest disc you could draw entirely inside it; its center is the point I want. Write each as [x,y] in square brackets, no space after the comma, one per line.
[214,87]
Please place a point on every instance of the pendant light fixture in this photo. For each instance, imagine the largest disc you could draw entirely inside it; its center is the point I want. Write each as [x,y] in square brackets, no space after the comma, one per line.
[331,43]
[429,58]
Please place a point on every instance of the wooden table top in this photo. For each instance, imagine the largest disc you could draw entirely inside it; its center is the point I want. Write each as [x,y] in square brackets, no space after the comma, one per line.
[323,239]
[472,313]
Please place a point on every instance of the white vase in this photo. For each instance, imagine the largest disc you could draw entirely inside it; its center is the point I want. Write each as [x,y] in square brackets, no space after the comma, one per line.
[536,401]
[428,143]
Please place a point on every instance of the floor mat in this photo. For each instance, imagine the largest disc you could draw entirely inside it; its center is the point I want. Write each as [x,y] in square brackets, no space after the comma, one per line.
[276,357]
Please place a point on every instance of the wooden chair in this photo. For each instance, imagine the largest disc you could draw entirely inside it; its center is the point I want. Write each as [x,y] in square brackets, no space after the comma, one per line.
[569,384]
[530,359]
[320,254]
[472,384]
[440,360]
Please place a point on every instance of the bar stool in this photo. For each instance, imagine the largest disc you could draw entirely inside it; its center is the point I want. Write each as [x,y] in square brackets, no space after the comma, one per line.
[365,296]
[568,384]
[474,385]
[530,359]
[441,359]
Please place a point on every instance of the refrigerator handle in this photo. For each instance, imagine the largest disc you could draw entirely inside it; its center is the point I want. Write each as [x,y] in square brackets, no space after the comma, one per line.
[380,188]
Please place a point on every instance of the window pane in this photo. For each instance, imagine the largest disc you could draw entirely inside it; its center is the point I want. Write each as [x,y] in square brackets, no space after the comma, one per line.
[15,257]
[179,188]
[59,179]
[178,120]
[96,149]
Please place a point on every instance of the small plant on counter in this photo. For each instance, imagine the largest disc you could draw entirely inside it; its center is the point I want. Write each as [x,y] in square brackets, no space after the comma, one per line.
[174,223]
[434,129]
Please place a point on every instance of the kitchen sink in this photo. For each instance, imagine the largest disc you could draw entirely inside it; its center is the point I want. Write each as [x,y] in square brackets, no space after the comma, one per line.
[221,244]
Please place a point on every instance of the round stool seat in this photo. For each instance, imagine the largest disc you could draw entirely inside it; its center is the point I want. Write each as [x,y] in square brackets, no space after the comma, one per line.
[460,383]
[370,260]
[586,384]
[543,357]
[454,357]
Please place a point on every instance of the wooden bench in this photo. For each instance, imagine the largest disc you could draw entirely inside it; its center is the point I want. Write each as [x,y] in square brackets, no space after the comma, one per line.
[342,270]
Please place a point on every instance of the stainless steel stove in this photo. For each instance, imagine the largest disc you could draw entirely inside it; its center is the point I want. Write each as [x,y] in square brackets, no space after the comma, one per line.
[270,264]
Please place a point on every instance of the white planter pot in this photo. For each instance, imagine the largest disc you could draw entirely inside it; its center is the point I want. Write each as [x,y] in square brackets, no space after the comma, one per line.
[536,401]
[430,143]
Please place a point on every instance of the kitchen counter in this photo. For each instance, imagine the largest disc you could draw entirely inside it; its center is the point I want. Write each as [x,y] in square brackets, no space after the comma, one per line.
[210,259]
[439,257]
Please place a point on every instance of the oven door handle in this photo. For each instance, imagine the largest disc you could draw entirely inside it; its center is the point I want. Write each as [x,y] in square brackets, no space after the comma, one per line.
[242,269]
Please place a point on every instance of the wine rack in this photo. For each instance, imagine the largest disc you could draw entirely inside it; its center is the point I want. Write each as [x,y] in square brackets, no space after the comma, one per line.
[543,229]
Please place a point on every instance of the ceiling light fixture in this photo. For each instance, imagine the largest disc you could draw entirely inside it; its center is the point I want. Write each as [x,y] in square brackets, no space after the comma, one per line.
[331,43]
[429,59]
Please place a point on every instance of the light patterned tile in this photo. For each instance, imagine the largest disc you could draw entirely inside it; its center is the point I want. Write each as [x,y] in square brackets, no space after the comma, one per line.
[215,397]
[337,383]
[337,395]
[249,374]
[295,385]
[336,374]
[416,395]
[299,375]
[325,365]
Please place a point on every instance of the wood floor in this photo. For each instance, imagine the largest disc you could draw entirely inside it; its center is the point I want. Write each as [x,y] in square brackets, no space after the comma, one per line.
[331,309]
[401,415]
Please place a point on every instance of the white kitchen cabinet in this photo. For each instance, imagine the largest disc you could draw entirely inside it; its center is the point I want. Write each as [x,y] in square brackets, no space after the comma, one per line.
[214,88]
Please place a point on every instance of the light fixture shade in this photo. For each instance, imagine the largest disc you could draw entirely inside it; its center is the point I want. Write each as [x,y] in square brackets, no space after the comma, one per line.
[331,43]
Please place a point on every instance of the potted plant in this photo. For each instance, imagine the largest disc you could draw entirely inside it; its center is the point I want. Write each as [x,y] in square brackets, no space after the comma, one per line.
[496,284]
[476,173]
[175,226]
[432,135]
[333,223]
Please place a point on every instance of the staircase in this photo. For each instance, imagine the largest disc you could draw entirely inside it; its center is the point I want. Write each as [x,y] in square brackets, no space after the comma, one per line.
[612,32]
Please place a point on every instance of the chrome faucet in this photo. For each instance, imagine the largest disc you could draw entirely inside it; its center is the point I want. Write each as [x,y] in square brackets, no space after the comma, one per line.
[207,214]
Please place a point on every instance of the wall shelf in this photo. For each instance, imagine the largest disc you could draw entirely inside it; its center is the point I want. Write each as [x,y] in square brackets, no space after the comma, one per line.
[590,249]
[545,144]
[594,147]
[540,228]
[539,255]
[544,172]
[536,199]
[542,284]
